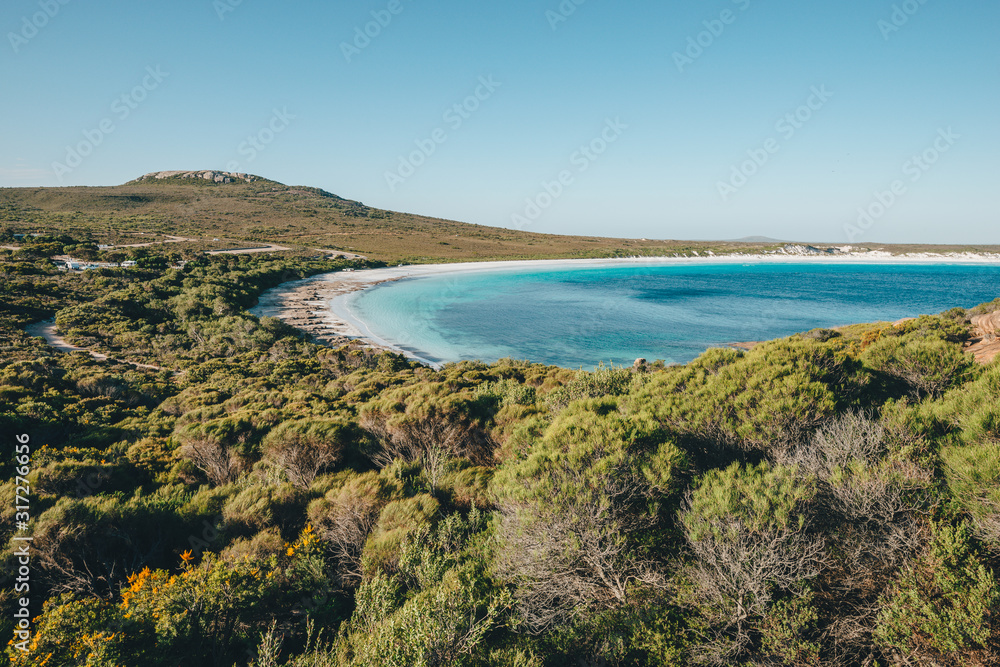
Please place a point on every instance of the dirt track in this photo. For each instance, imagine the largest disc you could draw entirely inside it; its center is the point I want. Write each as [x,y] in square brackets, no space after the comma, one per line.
[47,330]
[170,239]
[270,247]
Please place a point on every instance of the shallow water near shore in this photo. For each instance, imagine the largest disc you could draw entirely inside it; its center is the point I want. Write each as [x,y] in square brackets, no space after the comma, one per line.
[581,316]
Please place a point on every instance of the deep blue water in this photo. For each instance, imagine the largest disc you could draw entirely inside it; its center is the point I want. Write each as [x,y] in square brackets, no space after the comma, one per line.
[585,315]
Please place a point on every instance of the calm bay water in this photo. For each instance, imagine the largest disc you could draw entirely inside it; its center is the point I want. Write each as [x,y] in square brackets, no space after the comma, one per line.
[584,315]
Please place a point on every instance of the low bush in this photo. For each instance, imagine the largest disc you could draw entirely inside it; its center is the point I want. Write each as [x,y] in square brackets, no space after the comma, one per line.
[944,609]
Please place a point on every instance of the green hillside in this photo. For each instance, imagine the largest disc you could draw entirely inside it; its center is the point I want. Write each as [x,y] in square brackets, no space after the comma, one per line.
[304,218]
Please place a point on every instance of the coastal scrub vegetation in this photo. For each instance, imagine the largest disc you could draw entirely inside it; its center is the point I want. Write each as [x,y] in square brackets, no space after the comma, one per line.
[222,491]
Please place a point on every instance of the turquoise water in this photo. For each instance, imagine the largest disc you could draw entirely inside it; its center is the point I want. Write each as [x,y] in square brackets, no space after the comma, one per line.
[582,316]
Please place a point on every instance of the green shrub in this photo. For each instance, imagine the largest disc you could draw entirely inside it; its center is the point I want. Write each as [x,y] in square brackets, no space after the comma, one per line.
[760,498]
[821,335]
[928,366]
[579,515]
[302,448]
[468,485]
[947,328]
[409,422]
[973,474]
[346,516]
[984,308]
[650,632]
[786,628]
[751,559]
[971,409]
[86,631]
[604,381]
[396,521]
[259,506]
[765,399]
[437,609]
[86,546]
[945,606]
[507,392]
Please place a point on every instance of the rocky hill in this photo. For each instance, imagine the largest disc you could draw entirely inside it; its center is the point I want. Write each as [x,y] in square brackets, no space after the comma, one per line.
[206,175]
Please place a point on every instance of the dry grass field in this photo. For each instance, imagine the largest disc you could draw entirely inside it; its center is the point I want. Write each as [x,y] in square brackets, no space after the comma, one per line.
[230,215]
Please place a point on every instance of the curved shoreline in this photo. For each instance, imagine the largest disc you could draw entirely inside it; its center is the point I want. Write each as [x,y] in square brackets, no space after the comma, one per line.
[321,305]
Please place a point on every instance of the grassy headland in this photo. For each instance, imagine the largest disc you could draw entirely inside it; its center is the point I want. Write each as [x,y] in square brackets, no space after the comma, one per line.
[308,218]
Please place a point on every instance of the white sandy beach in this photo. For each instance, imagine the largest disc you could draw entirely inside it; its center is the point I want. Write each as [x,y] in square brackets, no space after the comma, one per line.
[320,305]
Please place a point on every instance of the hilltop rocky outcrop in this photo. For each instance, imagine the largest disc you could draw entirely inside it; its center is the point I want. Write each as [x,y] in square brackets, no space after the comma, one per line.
[207,175]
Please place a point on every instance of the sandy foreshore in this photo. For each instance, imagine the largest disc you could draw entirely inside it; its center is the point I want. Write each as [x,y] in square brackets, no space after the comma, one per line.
[308,305]
[320,306]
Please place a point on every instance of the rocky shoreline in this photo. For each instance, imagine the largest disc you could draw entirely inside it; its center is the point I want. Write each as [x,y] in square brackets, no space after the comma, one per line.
[985,344]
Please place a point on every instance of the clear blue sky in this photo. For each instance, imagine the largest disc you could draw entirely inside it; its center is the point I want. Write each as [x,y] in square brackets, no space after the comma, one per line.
[679,128]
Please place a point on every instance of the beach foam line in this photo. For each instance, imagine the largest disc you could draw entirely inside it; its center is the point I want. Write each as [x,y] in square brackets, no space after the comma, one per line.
[371,277]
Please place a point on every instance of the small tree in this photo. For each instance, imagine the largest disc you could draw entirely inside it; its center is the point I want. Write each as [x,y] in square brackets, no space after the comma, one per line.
[413,429]
[346,517]
[304,447]
[848,457]
[750,547]
[871,499]
[574,514]
[210,456]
